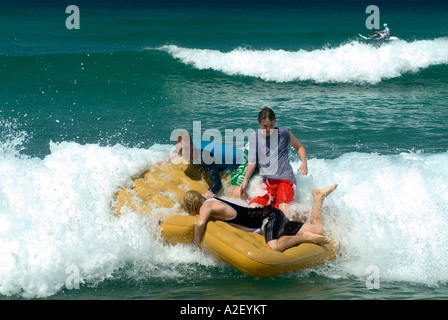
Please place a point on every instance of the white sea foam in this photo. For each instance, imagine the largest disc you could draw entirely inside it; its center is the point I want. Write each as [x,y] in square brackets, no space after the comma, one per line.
[353,62]
[55,215]
[390,211]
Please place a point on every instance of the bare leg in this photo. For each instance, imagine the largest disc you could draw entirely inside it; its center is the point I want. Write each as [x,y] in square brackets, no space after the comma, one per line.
[284,207]
[286,242]
[319,196]
[309,233]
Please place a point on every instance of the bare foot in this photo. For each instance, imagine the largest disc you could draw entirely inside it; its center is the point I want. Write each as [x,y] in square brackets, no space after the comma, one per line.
[323,193]
[315,238]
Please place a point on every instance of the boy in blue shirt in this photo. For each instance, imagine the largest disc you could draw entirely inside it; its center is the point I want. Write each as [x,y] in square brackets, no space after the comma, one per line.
[213,158]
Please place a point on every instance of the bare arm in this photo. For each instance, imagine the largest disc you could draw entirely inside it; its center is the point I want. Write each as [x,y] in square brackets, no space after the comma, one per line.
[249,171]
[295,143]
[199,228]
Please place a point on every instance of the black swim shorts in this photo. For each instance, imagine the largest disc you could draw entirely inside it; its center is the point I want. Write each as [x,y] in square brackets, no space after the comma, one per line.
[277,225]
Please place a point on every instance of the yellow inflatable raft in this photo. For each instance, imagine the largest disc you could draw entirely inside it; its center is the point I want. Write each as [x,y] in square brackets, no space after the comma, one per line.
[245,251]
[163,186]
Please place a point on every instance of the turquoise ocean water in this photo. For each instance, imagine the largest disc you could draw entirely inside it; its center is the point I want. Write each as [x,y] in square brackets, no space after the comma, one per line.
[84,110]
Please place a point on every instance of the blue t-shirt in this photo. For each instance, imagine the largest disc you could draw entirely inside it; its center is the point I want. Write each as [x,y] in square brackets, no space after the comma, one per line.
[216,157]
[224,157]
[271,154]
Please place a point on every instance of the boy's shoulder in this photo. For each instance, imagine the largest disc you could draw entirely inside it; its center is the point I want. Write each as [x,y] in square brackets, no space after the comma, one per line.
[283,130]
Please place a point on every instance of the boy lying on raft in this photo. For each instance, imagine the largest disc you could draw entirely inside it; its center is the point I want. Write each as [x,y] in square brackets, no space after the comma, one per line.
[280,233]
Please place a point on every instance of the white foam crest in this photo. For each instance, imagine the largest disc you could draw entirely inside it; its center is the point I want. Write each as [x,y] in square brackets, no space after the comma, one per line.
[388,211]
[11,138]
[352,62]
[55,213]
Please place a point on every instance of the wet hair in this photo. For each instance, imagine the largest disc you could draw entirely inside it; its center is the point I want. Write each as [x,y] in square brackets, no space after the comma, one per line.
[266,113]
[192,201]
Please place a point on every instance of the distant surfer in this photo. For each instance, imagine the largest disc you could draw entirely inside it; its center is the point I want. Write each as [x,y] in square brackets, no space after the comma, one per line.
[280,232]
[382,35]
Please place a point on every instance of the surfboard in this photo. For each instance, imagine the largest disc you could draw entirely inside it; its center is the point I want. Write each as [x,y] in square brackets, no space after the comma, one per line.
[375,38]
[365,38]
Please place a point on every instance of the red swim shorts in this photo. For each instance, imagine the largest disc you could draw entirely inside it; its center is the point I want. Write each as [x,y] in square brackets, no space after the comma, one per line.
[278,191]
